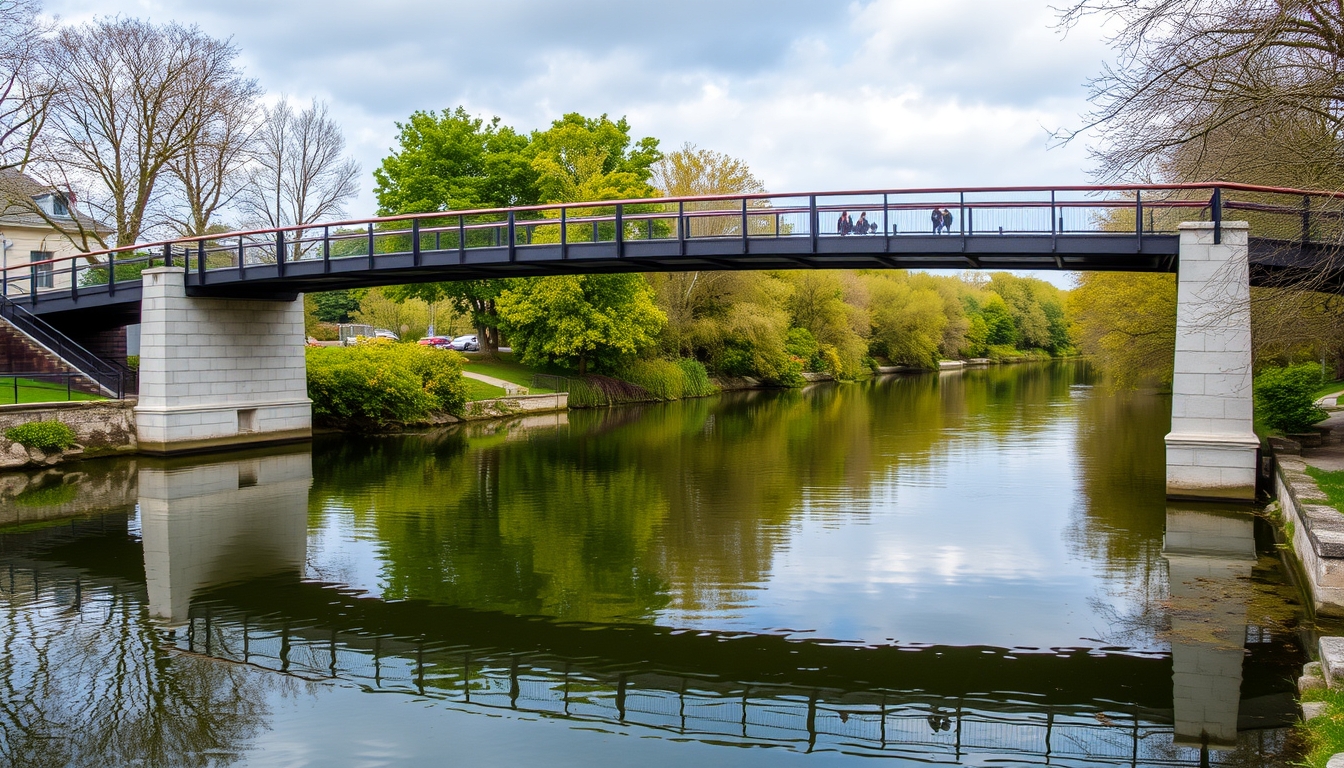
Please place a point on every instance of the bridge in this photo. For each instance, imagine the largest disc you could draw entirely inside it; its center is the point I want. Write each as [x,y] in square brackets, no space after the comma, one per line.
[222,332]
[219,557]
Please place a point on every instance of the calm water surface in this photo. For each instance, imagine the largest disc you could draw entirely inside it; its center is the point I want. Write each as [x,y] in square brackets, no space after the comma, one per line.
[965,569]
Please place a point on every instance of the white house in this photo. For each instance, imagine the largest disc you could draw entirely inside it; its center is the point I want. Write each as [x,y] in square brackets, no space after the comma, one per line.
[29,237]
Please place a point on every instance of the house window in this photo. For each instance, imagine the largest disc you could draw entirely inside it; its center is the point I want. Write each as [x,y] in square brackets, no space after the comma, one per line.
[59,207]
[44,275]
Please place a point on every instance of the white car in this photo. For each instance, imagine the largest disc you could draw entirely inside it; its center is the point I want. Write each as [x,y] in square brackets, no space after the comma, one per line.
[383,333]
[466,343]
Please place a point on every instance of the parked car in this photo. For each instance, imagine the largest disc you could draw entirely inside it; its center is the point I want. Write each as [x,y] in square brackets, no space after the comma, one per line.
[435,341]
[466,343]
[383,333]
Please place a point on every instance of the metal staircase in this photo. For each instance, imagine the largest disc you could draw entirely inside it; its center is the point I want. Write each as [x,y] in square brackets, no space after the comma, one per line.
[112,379]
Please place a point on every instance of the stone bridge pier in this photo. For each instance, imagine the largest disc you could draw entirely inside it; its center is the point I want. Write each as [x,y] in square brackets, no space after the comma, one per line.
[218,372]
[1212,447]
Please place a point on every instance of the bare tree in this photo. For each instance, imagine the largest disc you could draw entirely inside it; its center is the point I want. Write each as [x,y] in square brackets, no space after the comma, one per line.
[300,172]
[1194,76]
[131,99]
[211,171]
[24,93]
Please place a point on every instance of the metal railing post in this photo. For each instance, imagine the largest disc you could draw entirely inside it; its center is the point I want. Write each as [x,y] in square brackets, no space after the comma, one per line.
[1217,205]
[200,262]
[681,226]
[167,255]
[814,222]
[564,233]
[513,237]
[280,253]
[242,251]
[961,208]
[370,245]
[1138,217]
[415,242]
[744,225]
[461,240]
[620,231]
[74,279]
[326,249]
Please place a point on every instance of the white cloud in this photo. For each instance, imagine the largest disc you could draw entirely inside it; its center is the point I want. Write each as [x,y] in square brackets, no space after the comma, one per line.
[814,96]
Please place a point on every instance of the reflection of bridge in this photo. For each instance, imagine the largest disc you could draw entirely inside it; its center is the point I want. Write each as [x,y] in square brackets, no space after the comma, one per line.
[222,545]
[221,358]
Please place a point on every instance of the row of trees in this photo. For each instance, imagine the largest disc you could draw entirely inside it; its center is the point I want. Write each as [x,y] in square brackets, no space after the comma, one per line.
[155,129]
[768,324]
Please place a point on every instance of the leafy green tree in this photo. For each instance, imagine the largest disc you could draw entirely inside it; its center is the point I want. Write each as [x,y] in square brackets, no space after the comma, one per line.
[1285,396]
[583,158]
[578,319]
[1127,322]
[335,306]
[453,161]
[999,325]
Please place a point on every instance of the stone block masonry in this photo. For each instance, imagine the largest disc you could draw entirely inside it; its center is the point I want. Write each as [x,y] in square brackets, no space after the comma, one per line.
[218,372]
[1212,447]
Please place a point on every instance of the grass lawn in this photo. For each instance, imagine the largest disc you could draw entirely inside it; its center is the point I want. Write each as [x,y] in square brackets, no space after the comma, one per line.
[479,390]
[1324,735]
[506,368]
[1328,388]
[1331,484]
[39,392]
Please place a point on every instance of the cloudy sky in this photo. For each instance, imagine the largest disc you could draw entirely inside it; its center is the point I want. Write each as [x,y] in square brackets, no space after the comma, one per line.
[813,94]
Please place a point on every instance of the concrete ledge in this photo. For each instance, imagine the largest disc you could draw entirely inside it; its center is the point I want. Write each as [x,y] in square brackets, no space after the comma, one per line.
[504,407]
[1332,660]
[1317,534]
[239,440]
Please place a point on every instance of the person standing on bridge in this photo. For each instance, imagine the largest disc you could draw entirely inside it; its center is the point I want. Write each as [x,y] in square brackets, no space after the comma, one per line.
[861,226]
[947,222]
[937,218]
[843,225]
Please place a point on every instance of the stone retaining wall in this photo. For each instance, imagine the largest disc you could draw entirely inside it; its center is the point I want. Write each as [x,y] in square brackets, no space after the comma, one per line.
[516,405]
[1317,533]
[101,426]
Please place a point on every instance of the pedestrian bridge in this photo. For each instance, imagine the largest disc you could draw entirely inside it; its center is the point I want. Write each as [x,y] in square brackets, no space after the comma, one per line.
[222,332]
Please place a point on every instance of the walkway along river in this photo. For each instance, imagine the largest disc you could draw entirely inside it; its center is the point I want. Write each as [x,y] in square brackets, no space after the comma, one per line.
[956,568]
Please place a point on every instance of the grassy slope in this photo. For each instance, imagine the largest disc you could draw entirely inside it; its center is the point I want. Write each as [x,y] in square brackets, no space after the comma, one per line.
[506,368]
[1328,388]
[1325,734]
[479,390]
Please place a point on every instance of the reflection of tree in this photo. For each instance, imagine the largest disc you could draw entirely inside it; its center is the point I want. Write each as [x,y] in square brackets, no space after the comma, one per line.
[87,681]
[680,504]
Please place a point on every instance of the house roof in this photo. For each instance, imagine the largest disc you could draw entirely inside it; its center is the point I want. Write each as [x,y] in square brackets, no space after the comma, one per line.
[18,190]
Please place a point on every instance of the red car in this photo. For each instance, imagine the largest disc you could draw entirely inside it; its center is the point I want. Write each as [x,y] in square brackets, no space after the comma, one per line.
[435,341]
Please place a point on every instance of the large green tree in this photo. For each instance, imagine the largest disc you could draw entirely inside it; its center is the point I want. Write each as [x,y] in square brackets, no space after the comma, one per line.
[586,158]
[449,161]
[575,320]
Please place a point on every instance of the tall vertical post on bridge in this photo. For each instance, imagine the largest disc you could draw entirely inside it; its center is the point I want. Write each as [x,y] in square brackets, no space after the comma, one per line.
[218,372]
[1212,447]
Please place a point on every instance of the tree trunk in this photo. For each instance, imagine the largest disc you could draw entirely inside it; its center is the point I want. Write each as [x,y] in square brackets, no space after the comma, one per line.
[583,365]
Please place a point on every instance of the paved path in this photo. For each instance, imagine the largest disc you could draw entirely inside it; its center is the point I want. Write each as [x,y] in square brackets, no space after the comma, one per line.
[1331,400]
[508,386]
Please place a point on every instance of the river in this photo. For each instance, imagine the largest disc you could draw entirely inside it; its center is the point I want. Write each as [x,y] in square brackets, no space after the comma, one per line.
[964,568]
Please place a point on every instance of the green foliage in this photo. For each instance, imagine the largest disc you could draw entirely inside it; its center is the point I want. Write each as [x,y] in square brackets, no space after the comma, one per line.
[453,161]
[571,320]
[1324,734]
[1331,484]
[45,436]
[697,383]
[133,362]
[584,158]
[335,306]
[370,386]
[1127,323]
[1284,396]
[800,344]
[602,391]
[126,273]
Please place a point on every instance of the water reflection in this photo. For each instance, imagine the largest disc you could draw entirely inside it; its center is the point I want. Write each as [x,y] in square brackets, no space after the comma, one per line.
[939,569]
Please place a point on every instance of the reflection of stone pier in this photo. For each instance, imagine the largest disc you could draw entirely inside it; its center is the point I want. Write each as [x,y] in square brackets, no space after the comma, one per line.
[1209,555]
[220,522]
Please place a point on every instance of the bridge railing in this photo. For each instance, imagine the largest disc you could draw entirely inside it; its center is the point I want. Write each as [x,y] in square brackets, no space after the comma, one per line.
[1292,216]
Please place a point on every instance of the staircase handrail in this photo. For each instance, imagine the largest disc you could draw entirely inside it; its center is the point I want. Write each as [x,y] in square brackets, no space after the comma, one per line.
[108,374]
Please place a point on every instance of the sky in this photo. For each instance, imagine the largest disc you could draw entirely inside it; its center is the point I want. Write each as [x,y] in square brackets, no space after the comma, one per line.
[814,95]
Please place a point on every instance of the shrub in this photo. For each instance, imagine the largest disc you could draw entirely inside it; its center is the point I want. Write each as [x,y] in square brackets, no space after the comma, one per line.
[45,436]
[373,385]
[325,332]
[601,391]
[1284,396]
[663,379]
[697,382]
[133,362]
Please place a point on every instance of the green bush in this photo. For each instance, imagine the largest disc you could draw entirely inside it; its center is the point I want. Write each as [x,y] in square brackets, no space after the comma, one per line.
[1284,397]
[697,378]
[45,436]
[133,362]
[664,379]
[373,385]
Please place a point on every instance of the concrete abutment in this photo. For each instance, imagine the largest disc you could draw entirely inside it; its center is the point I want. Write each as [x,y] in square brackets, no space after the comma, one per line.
[218,372]
[1212,447]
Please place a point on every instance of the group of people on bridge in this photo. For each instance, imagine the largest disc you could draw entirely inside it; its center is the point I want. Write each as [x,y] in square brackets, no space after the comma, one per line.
[942,221]
[847,226]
